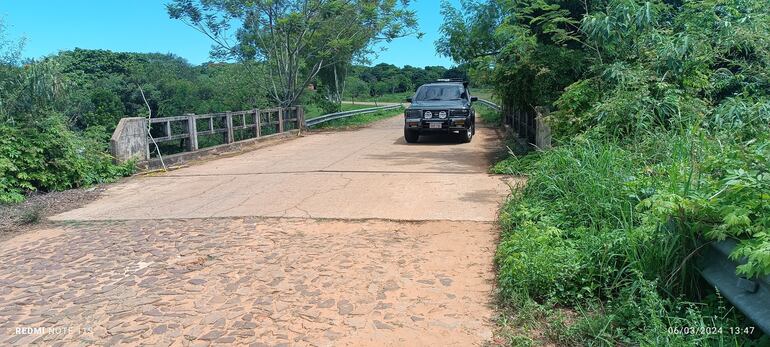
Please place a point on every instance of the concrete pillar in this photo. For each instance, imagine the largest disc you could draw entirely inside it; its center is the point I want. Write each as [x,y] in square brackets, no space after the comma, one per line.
[542,130]
[192,130]
[129,141]
[300,117]
[258,123]
[229,138]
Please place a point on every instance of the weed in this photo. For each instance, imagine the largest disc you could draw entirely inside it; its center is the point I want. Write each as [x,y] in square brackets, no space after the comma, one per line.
[31,215]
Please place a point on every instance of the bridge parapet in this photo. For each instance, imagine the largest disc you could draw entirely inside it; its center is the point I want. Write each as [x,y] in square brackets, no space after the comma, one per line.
[129,141]
[191,135]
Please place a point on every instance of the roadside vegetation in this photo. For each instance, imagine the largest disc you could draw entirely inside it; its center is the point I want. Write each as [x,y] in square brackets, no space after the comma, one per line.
[660,115]
[488,115]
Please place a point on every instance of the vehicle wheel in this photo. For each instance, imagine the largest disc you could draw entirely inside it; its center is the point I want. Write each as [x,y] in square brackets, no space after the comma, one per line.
[411,136]
[467,135]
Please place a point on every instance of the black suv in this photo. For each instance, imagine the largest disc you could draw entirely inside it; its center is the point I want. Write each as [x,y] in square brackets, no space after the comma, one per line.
[443,106]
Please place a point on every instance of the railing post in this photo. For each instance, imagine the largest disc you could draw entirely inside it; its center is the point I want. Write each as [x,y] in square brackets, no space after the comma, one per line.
[192,130]
[280,120]
[515,122]
[527,127]
[257,123]
[300,117]
[229,124]
[168,128]
[542,130]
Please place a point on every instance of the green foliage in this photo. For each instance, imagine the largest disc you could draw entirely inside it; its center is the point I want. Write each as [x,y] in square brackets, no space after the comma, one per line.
[40,149]
[488,115]
[660,113]
[291,42]
[383,78]
[49,156]
[593,228]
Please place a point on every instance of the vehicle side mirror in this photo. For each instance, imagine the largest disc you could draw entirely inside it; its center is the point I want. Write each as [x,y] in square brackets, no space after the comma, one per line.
[408,99]
[474,98]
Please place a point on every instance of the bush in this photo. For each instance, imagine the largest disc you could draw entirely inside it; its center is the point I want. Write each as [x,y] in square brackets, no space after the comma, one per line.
[47,156]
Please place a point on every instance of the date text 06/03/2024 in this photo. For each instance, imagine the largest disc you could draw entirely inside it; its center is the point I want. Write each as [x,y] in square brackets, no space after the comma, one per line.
[711,330]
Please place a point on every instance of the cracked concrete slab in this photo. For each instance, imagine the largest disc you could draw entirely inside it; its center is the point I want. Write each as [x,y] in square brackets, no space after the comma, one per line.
[369,173]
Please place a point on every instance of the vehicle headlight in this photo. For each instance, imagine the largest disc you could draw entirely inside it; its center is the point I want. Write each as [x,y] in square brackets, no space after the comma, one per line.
[459,113]
[442,114]
[428,114]
[413,113]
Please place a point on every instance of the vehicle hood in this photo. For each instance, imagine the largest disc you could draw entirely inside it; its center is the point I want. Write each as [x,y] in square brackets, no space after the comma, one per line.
[439,104]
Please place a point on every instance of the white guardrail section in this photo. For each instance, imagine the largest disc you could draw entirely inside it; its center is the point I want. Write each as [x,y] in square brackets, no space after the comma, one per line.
[332,116]
[489,104]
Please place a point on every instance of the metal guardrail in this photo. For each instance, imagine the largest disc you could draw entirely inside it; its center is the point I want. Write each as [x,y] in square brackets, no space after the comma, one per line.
[332,116]
[489,104]
[750,296]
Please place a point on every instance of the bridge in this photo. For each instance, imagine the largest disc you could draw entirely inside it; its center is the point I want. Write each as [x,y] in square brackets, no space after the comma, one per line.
[343,238]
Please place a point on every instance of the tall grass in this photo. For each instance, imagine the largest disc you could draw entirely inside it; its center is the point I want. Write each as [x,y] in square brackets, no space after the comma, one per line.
[609,231]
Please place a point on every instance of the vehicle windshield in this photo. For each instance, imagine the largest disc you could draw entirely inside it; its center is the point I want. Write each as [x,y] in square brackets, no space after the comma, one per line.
[439,93]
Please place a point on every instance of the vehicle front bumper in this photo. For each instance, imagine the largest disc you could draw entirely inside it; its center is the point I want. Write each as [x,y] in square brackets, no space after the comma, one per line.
[452,124]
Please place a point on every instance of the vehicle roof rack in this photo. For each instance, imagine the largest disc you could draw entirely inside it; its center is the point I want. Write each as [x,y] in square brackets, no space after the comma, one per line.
[452,80]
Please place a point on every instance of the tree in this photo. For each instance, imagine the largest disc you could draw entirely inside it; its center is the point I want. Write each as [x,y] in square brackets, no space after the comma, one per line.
[292,40]
[475,35]
[333,80]
[356,88]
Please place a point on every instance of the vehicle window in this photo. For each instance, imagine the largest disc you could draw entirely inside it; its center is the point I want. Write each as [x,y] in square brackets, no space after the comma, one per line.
[439,92]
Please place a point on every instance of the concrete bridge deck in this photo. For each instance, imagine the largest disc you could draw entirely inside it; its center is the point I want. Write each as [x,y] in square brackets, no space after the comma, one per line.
[340,238]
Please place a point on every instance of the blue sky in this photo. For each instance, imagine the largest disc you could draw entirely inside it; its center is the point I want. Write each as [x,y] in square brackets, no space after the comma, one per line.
[143,26]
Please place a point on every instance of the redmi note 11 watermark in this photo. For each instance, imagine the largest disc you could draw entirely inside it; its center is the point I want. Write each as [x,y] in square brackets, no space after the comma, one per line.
[52,330]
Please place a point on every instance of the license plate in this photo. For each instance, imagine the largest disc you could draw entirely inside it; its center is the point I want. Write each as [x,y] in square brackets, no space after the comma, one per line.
[435,126]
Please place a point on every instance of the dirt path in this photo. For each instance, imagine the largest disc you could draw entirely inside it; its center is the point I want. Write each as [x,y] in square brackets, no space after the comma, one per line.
[351,238]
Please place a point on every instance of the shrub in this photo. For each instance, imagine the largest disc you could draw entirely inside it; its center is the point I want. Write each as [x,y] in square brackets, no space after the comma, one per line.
[47,156]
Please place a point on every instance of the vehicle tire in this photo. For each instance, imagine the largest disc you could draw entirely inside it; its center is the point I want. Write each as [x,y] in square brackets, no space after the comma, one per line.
[411,136]
[467,135]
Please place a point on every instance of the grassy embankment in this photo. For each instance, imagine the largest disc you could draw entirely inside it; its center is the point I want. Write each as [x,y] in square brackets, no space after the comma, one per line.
[598,247]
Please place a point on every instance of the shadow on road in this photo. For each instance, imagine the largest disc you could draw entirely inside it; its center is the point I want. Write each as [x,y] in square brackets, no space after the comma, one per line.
[432,140]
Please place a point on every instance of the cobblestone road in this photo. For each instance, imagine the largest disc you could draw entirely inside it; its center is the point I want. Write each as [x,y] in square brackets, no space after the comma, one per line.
[249,281]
